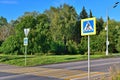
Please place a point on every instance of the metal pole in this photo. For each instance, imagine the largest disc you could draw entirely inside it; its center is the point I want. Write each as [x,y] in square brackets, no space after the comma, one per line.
[25,54]
[107,35]
[26,31]
[88,57]
[107,42]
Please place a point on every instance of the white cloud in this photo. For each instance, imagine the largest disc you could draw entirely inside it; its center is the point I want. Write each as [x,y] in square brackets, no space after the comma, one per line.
[8,2]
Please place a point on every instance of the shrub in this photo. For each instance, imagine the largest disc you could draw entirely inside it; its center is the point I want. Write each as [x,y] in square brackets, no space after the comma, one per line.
[72,47]
[57,48]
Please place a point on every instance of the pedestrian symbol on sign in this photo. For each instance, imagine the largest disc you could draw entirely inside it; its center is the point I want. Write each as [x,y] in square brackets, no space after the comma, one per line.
[88,27]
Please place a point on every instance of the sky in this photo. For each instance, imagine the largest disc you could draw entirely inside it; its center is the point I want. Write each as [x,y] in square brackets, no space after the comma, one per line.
[12,9]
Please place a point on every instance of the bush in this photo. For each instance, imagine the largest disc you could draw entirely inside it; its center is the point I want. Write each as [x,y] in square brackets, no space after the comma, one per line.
[72,47]
[10,45]
[57,48]
[82,47]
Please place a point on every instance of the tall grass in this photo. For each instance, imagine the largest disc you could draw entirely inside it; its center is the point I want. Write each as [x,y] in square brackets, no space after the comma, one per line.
[114,73]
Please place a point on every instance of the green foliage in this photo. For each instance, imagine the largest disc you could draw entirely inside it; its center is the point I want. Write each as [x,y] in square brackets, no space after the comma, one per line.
[39,37]
[99,25]
[83,45]
[118,45]
[96,43]
[3,21]
[56,31]
[117,37]
[72,47]
[5,29]
[90,14]
[63,21]
[11,45]
[57,48]
[114,28]
[83,13]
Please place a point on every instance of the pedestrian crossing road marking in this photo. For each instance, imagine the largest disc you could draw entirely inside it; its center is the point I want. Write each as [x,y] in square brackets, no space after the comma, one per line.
[65,74]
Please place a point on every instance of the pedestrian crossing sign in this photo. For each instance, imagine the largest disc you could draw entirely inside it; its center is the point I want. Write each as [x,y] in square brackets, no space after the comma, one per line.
[88,26]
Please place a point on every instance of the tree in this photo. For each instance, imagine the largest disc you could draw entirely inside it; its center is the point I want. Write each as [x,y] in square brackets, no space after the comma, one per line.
[42,39]
[117,37]
[118,45]
[114,29]
[63,22]
[99,25]
[83,13]
[16,45]
[3,21]
[5,29]
[97,41]
[77,32]
[39,38]
[10,45]
[90,14]
[57,31]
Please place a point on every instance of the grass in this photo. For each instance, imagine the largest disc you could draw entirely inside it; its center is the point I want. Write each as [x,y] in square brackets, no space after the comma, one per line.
[114,71]
[19,60]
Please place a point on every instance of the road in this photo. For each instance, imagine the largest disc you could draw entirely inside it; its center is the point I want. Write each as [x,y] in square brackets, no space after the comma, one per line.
[62,71]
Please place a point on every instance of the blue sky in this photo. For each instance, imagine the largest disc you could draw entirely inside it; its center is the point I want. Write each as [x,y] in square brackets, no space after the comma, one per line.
[12,9]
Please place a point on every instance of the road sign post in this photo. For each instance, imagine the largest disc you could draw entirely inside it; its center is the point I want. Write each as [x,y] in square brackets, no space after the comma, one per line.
[88,57]
[25,51]
[26,31]
[25,44]
[88,27]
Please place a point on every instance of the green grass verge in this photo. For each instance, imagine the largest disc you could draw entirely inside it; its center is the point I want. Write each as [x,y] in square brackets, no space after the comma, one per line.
[19,60]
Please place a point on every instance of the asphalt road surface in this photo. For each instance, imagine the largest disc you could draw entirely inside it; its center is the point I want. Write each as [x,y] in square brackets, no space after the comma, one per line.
[62,71]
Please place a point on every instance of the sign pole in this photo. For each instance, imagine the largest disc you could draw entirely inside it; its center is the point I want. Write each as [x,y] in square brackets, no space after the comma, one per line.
[88,57]
[88,27]
[25,54]
[26,31]
[25,44]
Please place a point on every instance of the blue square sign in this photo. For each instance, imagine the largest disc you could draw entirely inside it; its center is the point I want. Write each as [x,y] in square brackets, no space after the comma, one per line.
[25,41]
[88,26]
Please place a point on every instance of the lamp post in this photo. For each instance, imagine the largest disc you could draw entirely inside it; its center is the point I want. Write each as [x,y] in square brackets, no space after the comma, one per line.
[107,42]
